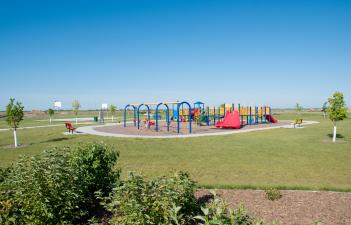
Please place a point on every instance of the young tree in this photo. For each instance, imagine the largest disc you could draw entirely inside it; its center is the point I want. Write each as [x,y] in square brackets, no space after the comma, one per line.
[51,112]
[14,115]
[112,110]
[298,110]
[75,108]
[337,110]
[324,109]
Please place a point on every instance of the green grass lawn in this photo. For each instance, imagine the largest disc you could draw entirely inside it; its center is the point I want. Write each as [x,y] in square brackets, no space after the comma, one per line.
[285,158]
[42,120]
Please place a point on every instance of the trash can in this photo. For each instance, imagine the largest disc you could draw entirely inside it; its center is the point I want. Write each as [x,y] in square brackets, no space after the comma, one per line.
[95,119]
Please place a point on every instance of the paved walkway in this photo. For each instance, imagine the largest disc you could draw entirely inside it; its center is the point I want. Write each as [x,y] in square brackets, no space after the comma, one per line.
[91,130]
[42,126]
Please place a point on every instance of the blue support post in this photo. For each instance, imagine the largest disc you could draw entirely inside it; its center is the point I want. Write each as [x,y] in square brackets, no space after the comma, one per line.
[167,115]
[208,116]
[214,115]
[148,115]
[189,116]
[125,115]
[134,115]
[250,116]
[265,119]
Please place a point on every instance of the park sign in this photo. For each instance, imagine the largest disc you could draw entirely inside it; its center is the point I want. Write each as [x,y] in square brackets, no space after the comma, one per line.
[57,104]
[104,106]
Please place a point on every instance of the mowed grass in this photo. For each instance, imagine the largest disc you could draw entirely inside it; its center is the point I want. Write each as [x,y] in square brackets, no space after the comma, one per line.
[42,119]
[283,158]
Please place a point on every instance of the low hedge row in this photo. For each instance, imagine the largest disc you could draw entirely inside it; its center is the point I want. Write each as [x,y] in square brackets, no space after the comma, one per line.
[70,185]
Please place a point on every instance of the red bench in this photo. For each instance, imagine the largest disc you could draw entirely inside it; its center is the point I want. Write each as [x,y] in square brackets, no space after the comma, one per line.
[70,127]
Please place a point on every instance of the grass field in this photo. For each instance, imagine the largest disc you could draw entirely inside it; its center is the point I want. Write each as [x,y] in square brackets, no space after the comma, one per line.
[284,158]
[43,119]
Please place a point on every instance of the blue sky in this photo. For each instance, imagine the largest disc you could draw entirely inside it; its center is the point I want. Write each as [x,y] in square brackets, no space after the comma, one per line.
[253,52]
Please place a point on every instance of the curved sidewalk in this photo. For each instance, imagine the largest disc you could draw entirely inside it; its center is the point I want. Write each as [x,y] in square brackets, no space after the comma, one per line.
[92,131]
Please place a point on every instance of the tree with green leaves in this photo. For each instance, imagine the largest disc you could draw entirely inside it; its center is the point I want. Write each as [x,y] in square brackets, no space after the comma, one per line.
[112,109]
[298,108]
[51,112]
[14,115]
[337,110]
[324,109]
[75,107]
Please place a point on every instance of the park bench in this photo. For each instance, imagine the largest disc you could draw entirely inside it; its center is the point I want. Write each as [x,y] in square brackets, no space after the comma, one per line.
[70,127]
[297,122]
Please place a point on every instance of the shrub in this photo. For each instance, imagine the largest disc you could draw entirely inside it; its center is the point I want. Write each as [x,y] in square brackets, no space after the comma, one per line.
[217,212]
[94,163]
[57,186]
[273,194]
[159,201]
[4,173]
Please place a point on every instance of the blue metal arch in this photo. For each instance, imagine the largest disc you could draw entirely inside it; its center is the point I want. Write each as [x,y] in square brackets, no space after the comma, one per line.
[167,115]
[125,114]
[189,115]
[148,115]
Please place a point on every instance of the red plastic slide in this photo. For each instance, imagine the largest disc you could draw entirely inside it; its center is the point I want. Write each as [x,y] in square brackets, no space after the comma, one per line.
[230,121]
[271,119]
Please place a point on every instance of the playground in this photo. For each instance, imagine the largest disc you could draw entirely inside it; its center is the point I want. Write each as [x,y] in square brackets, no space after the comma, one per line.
[287,159]
[184,119]
[197,131]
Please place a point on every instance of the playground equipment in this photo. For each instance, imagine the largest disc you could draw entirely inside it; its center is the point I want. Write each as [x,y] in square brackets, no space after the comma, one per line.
[179,106]
[231,121]
[228,116]
[249,115]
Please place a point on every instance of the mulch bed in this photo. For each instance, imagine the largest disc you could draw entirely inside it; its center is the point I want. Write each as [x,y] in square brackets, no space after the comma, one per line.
[131,130]
[295,207]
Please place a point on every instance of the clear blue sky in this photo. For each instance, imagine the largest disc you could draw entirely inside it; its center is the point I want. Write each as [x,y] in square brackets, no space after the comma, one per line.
[269,52]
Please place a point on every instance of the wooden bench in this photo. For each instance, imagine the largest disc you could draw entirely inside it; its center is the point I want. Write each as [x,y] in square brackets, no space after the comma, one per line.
[297,122]
[70,127]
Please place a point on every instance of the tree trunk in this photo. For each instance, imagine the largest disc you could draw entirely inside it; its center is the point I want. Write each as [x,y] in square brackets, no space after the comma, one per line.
[50,120]
[334,132]
[76,120]
[15,137]
[112,118]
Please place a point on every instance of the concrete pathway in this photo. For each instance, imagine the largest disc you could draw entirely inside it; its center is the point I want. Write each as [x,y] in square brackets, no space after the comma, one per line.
[41,126]
[91,130]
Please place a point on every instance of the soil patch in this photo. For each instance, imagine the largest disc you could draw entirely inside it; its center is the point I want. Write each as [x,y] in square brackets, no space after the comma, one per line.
[295,207]
[184,129]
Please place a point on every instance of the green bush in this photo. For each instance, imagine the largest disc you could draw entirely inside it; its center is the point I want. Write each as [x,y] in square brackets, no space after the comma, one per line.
[4,173]
[95,165]
[57,186]
[217,212]
[159,201]
[273,194]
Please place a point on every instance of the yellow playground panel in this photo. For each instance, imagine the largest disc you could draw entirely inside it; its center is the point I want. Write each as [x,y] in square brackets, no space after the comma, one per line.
[244,110]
